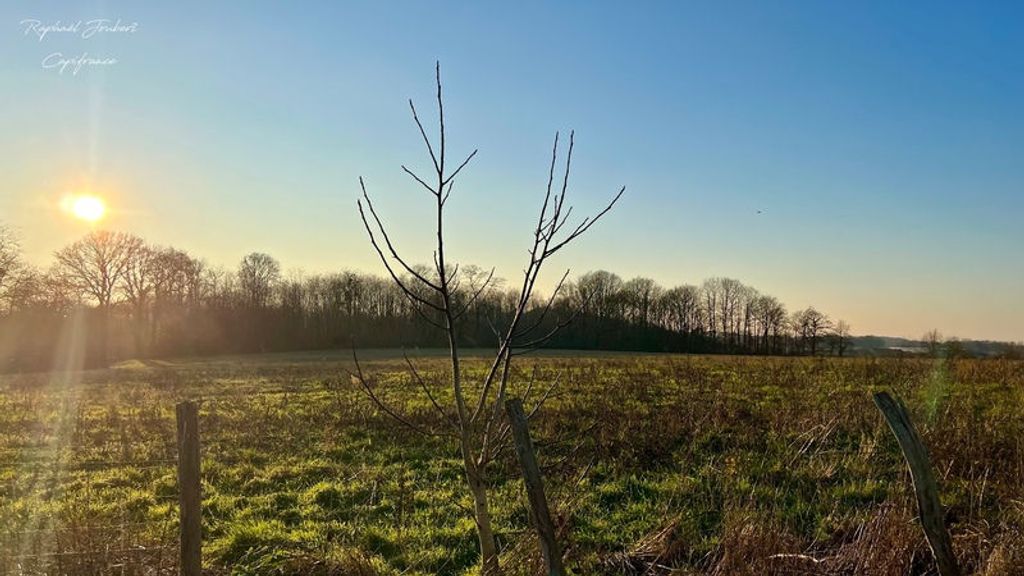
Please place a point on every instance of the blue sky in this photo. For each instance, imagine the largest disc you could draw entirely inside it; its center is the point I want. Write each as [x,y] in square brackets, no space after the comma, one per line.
[880,141]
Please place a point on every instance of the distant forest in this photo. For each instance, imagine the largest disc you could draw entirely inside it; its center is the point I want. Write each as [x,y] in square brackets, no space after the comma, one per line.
[130,299]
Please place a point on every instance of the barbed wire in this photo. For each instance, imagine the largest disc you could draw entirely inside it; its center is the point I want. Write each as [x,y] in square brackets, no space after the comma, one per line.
[23,451]
[8,534]
[58,467]
[54,462]
[103,552]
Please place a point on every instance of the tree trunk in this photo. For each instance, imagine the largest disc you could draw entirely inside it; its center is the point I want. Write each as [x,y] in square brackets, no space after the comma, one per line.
[153,327]
[482,512]
[104,335]
[139,330]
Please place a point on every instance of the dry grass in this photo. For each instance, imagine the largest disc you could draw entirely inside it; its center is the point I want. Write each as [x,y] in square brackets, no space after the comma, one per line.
[655,465]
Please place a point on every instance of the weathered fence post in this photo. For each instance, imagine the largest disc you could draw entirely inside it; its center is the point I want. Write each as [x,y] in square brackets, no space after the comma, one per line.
[928,506]
[534,487]
[189,488]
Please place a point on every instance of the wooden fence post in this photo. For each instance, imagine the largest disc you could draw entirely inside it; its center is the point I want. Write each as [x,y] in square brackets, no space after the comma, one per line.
[928,506]
[534,487]
[189,488]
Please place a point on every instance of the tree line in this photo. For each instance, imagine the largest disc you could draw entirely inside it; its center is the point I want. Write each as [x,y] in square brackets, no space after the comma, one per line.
[135,299]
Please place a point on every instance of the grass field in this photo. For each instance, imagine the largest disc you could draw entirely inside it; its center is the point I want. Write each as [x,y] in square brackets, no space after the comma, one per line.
[654,464]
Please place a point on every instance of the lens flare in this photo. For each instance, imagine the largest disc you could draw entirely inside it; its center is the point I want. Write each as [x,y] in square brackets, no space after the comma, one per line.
[85,207]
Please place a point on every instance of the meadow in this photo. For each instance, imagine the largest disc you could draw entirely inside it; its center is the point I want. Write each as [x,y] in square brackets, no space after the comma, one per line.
[653,465]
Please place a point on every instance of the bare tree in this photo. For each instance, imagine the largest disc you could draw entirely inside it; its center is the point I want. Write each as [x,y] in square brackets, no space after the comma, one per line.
[681,307]
[440,298]
[841,333]
[953,347]
[11,265]
[97,264]
[641,295]
[599,294]
[94,267]
[810,326]
[770,316]
[42,290]
[748,301]
[258,275]
[172,283]
[138,284]
[723,305]
[710,291]
[933,340]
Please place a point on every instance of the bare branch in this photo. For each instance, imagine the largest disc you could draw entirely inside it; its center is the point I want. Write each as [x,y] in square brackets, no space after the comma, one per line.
[387,239]
[538,343]
[440,116]
[547,194]
[476,295]
[430,395]
[447,193]
[499,403]
[422,313]
[587,223]
[534,345]
[547,308]
[424,134]
[361,379]
[529,385]
[543,399]
[420,180]
[415,298]
[459,169]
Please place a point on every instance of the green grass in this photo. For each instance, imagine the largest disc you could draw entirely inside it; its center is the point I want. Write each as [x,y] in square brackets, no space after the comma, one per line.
[703,464]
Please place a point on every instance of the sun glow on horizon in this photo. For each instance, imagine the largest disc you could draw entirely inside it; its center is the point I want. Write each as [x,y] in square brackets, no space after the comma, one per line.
[85,207]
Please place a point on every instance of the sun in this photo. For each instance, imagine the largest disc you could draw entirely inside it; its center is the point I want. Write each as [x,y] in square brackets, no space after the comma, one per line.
[86,207]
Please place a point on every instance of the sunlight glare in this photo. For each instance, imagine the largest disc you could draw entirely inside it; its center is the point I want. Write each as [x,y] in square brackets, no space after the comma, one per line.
[86,207]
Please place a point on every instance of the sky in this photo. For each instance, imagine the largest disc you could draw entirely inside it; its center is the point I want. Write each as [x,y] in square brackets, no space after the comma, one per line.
[861,157]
